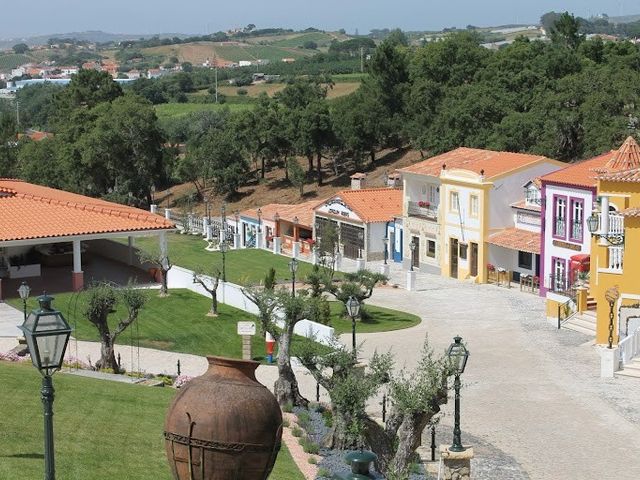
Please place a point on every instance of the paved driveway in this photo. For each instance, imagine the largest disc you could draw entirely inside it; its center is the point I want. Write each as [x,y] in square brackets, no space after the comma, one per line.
[531,392]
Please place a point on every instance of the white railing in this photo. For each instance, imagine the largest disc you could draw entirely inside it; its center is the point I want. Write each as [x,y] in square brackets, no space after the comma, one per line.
[616,224]
[629,347]
[616,253]
[430,212]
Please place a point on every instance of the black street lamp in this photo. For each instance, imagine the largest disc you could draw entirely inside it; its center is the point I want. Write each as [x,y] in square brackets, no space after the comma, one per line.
[47,334]
[237,215]
[259,220]
[593,224]
[224,247]
[353,310]
[24,291]
[412,247]
[293,267]
[611,295]
[458,355]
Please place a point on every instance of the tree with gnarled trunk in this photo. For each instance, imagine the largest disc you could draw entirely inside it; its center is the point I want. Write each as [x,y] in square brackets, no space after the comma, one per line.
[415,399]
[101,301]
[271,305]
[159,259]
[209,281]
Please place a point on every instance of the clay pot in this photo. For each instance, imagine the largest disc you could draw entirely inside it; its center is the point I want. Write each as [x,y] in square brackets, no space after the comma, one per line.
[224,425]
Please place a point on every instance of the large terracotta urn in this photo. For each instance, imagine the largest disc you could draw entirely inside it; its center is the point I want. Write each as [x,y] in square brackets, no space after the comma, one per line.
[224,425]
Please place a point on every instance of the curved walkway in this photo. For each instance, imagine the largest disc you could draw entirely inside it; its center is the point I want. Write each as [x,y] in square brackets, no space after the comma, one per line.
[530,390]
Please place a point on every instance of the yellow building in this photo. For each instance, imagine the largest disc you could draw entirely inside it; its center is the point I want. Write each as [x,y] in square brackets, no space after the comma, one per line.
[455,202]
[615,260]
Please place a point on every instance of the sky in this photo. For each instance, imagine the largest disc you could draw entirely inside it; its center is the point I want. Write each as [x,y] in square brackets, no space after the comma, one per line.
[37,17]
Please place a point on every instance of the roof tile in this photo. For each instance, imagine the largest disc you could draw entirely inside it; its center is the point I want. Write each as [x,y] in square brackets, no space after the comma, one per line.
[373,204]
[31,211]
[516,239]
[489,162]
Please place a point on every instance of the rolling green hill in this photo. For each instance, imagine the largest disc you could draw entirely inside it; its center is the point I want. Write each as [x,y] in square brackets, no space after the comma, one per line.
[12,60]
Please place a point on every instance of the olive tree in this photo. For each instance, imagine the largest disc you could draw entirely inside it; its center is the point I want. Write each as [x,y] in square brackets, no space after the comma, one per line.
[209,281]
[101,300]
[157,257]
[415,398]
[274,304]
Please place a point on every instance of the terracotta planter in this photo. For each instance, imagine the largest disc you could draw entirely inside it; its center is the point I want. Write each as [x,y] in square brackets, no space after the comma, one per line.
[223,425]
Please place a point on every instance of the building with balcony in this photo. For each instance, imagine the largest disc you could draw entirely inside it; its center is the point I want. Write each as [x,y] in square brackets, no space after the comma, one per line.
[455,201]
[615,263]
[568,200]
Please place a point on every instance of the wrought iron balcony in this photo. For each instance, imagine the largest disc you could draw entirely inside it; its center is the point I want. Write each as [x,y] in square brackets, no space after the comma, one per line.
[430,212]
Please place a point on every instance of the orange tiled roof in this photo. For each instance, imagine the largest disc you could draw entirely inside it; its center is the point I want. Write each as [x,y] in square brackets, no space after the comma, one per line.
[626,157]
[287,212]
[522,204]
[489,162]
[631,212]
[36,135]
[581,174]
[268,211]
[373,204]
[632,176]
[516,239]
[31,211]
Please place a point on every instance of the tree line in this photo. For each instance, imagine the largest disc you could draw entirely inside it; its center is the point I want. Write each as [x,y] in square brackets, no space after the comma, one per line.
[568,99]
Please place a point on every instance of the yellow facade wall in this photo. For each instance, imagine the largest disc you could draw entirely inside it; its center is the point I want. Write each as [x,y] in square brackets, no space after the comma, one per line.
[623,195]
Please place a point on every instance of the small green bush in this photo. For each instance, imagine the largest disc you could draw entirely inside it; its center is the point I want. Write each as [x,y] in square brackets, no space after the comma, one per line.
[285,423]
[296,431]
[287,408]
[312,460]
[324,473]
[242,92]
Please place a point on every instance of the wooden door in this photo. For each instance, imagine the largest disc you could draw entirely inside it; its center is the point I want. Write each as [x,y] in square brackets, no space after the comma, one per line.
[474,259]
[453,258]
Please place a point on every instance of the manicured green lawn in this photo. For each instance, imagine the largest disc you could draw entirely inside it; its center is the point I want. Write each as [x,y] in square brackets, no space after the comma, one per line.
[381,319]
[103,430]
[244,267]
[177,323]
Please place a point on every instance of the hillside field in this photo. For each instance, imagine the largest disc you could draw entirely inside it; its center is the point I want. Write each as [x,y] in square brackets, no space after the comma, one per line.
[198,52]
[173,110]
[340,89]
[13,60]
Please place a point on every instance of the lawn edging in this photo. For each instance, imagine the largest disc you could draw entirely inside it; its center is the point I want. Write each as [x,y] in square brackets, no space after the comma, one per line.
[231,294]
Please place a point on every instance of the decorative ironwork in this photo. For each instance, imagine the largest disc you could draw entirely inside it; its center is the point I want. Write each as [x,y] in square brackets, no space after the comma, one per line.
[203,446]
[611,295]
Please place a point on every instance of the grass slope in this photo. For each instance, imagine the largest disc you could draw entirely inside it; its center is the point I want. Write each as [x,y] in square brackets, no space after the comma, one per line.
[103,430]
[13,60]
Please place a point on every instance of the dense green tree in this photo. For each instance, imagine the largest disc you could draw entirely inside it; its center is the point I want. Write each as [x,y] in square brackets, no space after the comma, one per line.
[8,143]
[87,88]
[37,105]
[566,31]
[21,48]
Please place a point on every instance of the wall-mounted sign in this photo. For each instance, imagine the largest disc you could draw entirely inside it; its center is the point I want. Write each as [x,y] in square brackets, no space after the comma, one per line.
[246,328]
[338,208]
[567,245]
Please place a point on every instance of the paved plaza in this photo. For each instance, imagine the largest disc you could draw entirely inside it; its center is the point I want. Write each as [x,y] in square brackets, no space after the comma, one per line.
[533,405]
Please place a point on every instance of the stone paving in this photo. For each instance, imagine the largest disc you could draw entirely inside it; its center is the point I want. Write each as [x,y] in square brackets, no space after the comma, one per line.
[533,405]
[531,392]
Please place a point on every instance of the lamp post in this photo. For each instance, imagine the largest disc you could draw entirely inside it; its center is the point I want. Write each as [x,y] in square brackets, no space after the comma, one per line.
[458,355]
[223,249]
[259,220]
[237,215]
[276,221]
[47,334]
[611,295]
[593,224]
[293,267]
[412,247]
[353,310]
[24,291]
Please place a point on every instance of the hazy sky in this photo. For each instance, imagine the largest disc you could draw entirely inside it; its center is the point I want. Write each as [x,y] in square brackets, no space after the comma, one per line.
[28,17]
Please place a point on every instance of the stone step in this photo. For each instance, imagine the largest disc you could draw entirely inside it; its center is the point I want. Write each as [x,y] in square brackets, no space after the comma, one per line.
[577,328]
[634,365]
[628,373]
[590,313]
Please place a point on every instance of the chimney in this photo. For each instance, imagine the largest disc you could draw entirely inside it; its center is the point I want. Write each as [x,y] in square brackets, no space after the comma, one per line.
[394,180]
[358,181]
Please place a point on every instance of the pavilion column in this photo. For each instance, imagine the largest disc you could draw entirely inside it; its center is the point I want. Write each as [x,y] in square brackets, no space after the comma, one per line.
[163,248]
[77,276]
[131,244]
